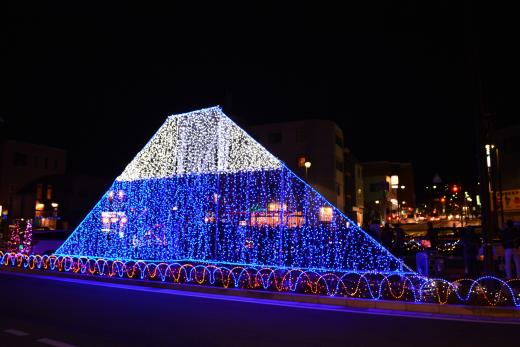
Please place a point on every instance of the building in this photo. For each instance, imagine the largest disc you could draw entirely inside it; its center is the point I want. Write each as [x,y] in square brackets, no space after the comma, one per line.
[20,164]
[354,189]
[389,190]
[319,143]
[508,150]
[58,201]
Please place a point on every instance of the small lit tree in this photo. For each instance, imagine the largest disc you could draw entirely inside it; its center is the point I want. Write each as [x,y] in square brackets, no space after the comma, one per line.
[20,236]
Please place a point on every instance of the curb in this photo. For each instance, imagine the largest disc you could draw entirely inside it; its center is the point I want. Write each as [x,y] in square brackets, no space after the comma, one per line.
[427,310]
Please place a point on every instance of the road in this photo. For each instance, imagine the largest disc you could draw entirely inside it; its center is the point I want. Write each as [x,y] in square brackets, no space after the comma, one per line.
[62,313]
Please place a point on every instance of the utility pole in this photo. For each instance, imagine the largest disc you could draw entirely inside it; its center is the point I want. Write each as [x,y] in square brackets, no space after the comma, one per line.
[484,130]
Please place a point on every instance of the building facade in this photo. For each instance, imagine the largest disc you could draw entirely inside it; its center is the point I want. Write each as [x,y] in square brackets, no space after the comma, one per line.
[508,180]
[354,188]
[319,143]
[58,202]
[20,164]
[389,190]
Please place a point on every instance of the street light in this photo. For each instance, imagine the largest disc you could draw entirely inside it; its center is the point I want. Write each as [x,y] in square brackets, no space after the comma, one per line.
[307,166]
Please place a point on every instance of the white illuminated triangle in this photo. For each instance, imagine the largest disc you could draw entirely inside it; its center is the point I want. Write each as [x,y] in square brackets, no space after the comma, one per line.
[203,141]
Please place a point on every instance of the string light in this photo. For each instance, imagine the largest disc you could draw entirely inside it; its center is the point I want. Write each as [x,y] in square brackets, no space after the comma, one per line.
[203,190]
[487,290]
[20,236]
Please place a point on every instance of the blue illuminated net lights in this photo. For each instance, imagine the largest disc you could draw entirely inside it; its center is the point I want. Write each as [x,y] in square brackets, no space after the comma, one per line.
[203,190]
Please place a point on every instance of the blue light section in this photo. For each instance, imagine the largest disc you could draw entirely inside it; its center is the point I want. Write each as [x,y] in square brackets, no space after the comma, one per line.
[267,217]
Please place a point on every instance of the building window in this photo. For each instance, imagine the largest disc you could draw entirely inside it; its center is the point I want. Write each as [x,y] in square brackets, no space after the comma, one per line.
[275,137]
[301,161]
[46,163]
[338,189]
[326,214]
[35,162]
[49,192]
[300,135]
[55,164]
[39,191]
[19,159]
[339,141]
[339,165]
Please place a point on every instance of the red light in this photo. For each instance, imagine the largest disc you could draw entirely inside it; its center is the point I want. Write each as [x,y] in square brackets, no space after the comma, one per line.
[455,189]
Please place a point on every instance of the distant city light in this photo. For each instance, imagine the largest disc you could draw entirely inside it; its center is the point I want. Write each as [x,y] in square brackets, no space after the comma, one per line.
[394,181]
[488,155]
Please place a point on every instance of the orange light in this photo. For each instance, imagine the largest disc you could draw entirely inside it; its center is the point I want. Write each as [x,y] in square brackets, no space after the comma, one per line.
[443,200]
[325,214]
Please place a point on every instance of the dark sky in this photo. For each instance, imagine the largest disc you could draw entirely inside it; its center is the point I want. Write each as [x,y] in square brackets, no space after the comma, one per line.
[398,77]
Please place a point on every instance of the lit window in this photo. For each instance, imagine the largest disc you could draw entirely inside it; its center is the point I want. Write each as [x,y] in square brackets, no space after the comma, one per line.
[49,191]
[326,214]
[276,207]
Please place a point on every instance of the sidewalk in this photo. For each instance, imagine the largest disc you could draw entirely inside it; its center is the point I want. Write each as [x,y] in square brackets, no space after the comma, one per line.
[505,315]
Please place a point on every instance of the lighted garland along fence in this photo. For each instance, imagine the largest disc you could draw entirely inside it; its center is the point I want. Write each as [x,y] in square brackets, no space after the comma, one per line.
[484,291]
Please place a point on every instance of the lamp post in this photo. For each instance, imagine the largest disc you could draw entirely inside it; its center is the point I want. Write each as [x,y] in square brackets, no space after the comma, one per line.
[307,166]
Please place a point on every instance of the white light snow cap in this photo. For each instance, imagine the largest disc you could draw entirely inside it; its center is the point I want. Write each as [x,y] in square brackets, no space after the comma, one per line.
[203,141]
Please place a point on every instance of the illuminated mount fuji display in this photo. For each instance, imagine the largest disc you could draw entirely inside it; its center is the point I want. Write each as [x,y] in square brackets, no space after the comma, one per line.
[203,190]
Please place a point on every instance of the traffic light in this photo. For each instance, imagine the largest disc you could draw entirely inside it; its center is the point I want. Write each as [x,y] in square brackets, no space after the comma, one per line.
[455,188]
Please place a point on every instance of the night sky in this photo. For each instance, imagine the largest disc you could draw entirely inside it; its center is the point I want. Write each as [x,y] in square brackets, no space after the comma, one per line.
[400,78]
